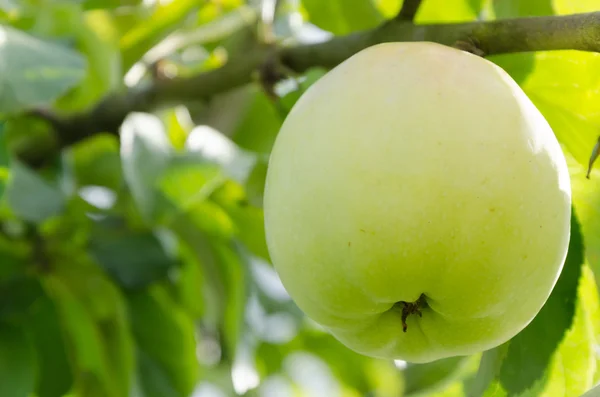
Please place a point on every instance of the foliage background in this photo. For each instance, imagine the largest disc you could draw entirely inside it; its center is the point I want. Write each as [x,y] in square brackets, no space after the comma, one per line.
[133,262]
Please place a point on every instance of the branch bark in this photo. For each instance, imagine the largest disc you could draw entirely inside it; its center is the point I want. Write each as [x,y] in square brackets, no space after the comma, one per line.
[409,10]
[570,32]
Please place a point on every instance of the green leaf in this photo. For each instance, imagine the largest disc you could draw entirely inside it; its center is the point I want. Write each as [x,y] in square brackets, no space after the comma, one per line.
[235,279]
[574,7]
[166,343]
[572,372]
[189,289]
[54,371]
[570,102]
[17,296]
[30,196]
[423,379]
[96,162]
[135,258]
[255,184]
[437,11]
[94,319]
[145,153]
[343,16]
[34,72]
[165,19]
[17,362]
[96,37]
[226,280]
[189,180]
[586,201]
[517,8]
[249,220]
[489,369]
[530,351]
[259,124]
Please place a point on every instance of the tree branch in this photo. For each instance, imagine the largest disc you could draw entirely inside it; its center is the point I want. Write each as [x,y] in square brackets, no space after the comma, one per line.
[570,32]
[409,10]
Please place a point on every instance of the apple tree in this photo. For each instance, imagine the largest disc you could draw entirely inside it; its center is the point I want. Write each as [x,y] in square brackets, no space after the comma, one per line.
[196,196]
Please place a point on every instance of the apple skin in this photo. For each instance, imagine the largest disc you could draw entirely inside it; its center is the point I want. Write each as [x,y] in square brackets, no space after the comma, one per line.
[410,169]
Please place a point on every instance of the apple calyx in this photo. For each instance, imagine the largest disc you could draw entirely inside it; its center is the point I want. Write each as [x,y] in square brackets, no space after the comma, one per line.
[409,308]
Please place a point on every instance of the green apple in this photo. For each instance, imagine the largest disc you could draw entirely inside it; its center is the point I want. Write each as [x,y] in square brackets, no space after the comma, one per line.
[417,204]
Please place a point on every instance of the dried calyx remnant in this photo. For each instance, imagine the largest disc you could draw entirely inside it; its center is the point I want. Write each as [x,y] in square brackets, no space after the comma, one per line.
[408,308]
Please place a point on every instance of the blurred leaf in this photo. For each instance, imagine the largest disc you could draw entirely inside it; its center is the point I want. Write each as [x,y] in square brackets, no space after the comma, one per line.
[166,344]
[343,16]
[389,8]
[233,275]
[255,184]
[569,103]
[424,379]
[4,154]
[95,36]
[30,196]
[34,72]
[530,351]
[438,11]
[145,153]
[14,259]
[249,220]
[259,124]
[134,258]
[517,8]
[574,7]
[17,296]
[178,124]
[211,145]
[103,4]
[142,37]
[489,369]
[188,180]
[289,99]
[225,279]
[96,162]
[54,372]
[17,362]
[94,319]
[189,285]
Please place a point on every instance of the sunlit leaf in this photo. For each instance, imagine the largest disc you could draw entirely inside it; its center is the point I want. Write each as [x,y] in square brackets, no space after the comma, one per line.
[517,8]
[164,19]
[569,103]
[145,153]
[343,16]
[34,71]
[530,351]
[96,38]
[448,11]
